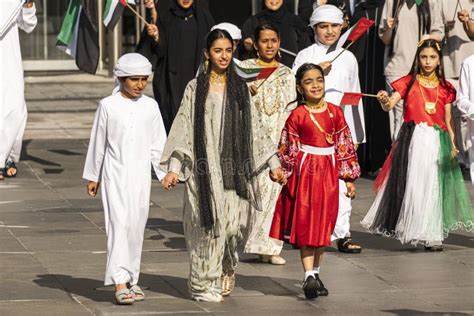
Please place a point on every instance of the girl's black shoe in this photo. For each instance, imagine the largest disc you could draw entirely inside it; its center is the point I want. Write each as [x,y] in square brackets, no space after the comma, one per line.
[310,288]
[322,290]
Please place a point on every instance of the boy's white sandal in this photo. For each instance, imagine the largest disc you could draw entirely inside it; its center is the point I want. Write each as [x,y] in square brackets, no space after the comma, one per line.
[124,297]
[138,293]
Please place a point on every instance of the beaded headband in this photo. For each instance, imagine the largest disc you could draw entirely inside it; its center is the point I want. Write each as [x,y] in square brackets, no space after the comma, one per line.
[438,47]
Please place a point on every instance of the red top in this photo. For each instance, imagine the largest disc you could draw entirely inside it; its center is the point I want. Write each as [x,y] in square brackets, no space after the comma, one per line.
[300,129]
[415,110]
[301,124]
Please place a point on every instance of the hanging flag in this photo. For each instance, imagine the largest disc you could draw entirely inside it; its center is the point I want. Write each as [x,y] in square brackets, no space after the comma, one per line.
[351,35]
[351,98]
[251,74]
[79,35]
[113,12]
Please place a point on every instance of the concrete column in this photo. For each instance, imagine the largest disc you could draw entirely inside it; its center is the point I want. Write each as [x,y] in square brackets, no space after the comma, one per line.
[114,40]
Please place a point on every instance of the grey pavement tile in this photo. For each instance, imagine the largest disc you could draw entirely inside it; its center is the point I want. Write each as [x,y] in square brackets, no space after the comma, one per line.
[42,308]
[460,299]
[4,232]
[59,219]
[424,270]
[155,258]
[28,287]
[386,303]
[74,263]
[274,304]
[11,244]
[20,264]
[74,230]
[64,243]
[160,306]
[18,193]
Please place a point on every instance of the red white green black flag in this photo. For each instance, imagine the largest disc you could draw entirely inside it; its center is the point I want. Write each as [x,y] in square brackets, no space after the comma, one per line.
[251,74]
[113,11]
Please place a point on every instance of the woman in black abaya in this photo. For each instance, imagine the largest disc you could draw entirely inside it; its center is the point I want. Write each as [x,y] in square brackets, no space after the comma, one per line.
[294,33]
[177,41]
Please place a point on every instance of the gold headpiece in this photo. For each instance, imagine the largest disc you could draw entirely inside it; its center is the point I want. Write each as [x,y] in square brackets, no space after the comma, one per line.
[438,47]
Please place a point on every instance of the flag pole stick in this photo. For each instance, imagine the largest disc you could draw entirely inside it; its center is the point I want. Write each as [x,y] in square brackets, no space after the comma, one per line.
[369,95]
[137,14]
[342,52]
[455,10]
[261,83]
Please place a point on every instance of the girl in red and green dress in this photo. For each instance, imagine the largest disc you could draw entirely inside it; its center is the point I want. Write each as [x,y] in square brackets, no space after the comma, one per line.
[421,194]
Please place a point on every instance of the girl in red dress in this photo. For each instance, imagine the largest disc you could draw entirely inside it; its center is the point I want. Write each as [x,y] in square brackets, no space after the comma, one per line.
[421,194]
[315,150]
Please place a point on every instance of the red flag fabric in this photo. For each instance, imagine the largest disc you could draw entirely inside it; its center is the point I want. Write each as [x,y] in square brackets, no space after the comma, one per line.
[362,26]
[351,98]
[266,72]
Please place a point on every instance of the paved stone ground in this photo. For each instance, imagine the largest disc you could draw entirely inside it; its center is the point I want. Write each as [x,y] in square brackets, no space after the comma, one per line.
[52,242]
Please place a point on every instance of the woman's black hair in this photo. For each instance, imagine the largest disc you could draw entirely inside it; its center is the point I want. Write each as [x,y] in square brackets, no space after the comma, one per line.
[300,99]
[236,143]
[424,19]
[416,68]
[262,27]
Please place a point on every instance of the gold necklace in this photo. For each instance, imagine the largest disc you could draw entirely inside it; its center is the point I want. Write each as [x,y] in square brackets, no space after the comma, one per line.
[430,81]
[318,106]
[430,107]
[262,63]
[329,137]
[218,79]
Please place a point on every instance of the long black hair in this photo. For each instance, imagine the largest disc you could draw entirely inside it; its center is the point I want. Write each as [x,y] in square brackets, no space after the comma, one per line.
[424,19]
[262,27]
[236,142]
[300,99]
[416,68]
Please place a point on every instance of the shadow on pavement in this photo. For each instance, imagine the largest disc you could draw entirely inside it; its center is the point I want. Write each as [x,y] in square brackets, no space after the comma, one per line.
[94,289]
[162,284]
[369,241]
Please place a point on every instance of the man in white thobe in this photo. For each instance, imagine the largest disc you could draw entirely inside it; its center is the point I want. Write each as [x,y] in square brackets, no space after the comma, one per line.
[465,103]
[13,112]
[343,77]
[128,136]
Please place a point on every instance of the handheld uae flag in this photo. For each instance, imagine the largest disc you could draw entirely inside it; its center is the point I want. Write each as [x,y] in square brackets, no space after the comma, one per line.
[79,35]
[351,35]
[251,74]
[113,12]
[353,98]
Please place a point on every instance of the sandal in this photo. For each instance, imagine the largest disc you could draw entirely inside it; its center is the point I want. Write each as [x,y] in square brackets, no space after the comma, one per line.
[138,293]
[346,245]
[124,297]
[1,175]
[227,283]
[9,165]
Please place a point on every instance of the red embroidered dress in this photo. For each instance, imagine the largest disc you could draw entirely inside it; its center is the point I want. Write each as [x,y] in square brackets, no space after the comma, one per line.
[307,207]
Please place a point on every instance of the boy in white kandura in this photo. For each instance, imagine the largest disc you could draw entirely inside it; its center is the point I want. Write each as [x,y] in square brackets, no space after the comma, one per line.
[127,137]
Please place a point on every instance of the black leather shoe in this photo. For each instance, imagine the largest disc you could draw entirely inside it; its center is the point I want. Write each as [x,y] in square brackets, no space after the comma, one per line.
[322,290]
[310,288]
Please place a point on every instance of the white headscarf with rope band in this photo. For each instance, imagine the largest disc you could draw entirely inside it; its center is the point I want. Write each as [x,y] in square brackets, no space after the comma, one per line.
[129,65]
[326,13]
[233,30]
